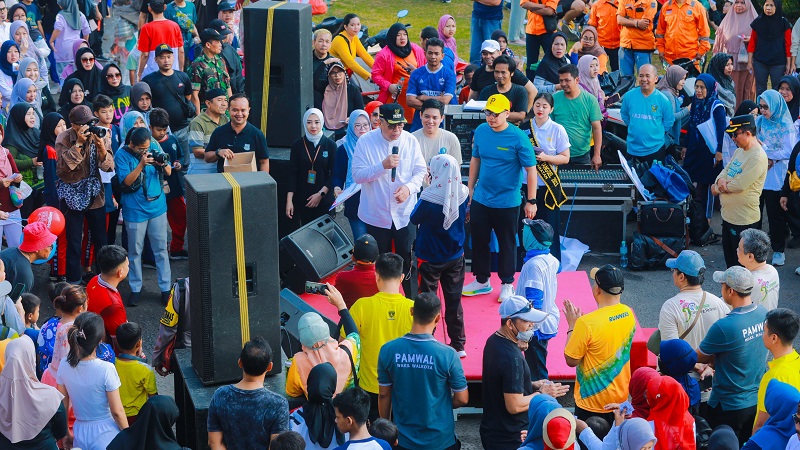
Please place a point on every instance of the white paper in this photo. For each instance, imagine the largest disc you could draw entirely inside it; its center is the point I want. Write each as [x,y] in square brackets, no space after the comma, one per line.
[347,193]
[106,177]
[474,105]
[635,178]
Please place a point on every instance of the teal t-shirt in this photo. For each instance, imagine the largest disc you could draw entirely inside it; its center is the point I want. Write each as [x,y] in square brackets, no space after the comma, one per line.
[148,202]
[648,118]
[576,116]
[740,357]
[503,154]
[420,364]
[185,16]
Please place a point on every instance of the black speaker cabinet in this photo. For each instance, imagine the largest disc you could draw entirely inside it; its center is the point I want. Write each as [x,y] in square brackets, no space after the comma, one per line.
[290,89]
[319,248]
[216,312]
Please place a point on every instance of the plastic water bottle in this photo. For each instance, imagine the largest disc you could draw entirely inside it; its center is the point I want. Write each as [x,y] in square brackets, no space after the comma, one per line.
[623,255]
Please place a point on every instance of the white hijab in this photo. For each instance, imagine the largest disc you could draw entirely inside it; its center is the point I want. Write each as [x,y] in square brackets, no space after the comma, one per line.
[446,188]
[314,138]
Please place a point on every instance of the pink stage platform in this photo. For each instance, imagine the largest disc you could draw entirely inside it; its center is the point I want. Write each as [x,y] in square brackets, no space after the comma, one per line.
[481,320]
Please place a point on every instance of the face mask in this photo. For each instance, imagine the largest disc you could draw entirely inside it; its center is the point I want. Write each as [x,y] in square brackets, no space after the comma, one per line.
[524,336]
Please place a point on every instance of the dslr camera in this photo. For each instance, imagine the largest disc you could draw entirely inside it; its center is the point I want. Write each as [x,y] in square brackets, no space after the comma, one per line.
[160,158]
[94,129]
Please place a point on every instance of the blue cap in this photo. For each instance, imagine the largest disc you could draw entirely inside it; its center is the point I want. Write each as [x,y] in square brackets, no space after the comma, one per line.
[518,307]
[689,262]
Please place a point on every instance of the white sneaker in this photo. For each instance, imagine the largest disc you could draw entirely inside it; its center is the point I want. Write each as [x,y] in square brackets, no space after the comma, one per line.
[778,259]
[506,290]
[476,288]
[461,354]
[797,271]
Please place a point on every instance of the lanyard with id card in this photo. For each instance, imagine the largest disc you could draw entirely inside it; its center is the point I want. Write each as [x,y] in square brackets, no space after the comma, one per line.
[312,174]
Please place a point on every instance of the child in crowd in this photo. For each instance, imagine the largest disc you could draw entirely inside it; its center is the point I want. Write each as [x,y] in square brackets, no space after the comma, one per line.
[137,377]
[104,110]
[132,65]
[288,440]
[30,304]
[386,430]
[104,298]
[352,410]
[463,95]
[176,205]
[47,335]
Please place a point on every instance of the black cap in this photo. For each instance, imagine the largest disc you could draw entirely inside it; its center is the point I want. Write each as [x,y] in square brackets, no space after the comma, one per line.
[609,279]
[210,34]
[541,230]
[225,6]
[211,94]
[365,249]
[156,5]
[221,27]
[392,113]
[162,48]
[740,121]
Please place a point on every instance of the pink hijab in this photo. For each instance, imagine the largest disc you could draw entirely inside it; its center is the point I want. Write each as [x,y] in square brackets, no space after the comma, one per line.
[448,42]
[732,26]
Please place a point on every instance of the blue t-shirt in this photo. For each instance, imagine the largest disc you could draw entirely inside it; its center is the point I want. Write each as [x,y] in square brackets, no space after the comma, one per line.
[649,117]
[371,443]
[484,12]
[149,201]
[418,363]
[171,147]
[247,419]
[740,357]
[434,243]
[186,18]
[503,154]
[434,84]
[33,16]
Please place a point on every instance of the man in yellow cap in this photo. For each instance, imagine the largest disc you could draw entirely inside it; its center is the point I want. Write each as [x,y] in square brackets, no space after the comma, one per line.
[499,153]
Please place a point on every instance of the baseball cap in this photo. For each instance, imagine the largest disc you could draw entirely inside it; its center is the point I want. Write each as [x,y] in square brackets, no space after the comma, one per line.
[689,262]
[541,230]
[220,26]
[163,48]
[365,248]
[81,115]
[498,103]
[739,121]
[225,6]
[211,94]
[210,34]
[737,278]
[490,45]
[392,113]
[36,236]
[609,279]
[312,329]
[518,307]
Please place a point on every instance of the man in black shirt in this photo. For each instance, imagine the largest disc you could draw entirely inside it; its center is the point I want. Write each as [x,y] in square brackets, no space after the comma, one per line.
[237,136]
[516,94]
[484,76]
[170,88]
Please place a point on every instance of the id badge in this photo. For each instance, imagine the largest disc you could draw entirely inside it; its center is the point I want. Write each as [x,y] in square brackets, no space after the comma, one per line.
[312,177]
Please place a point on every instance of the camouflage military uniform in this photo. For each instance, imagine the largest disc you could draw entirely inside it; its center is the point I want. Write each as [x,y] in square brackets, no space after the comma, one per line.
[208,73]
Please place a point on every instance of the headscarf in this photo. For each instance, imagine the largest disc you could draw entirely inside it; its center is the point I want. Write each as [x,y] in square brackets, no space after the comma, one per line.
[634,433]
[669,412]
[723,437]
[780,402]
[371,107]
[90,78]
[6,66]
[152,429]
[702,109]
[794,86]
[669,82]
[540,406]
[106,88]
[771,27]
[5,164]
[314,138]
[731,28]
[47,135]
[41,82]
[596,49]
[391,40]
[319,414]
[745,107]
[70,68]
[18,134]
[716,68]
[446,188]
[71,13]
[589,83]
[26,405]
[450,42]
[32,48]
[558,430]
[549,65]
[772,131]
[350,141]
[127,123]
[20,91]
[65,98]
[334,100]
[676,359]
[137,91]
[637,388]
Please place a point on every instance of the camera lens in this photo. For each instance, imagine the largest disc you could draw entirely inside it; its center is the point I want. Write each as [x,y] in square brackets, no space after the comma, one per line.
[98,131]
[160,158]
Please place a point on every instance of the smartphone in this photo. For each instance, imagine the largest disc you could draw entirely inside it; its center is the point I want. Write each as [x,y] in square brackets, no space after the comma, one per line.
[16,293]
[316,288]
[613,98]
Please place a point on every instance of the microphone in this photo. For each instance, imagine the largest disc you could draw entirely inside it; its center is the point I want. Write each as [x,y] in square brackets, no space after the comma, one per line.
[394,169]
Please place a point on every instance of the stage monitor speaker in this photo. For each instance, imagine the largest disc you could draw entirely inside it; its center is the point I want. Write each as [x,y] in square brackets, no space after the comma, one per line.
[319,248]
[216,313]
[290,89]
[292,309]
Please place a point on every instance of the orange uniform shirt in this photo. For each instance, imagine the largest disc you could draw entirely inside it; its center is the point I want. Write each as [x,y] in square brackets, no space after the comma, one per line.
[634,38]
[603,16]
[682,31]
[535,24]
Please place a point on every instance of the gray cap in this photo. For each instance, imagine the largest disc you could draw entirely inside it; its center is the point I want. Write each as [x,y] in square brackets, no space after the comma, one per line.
[737,278]
[312,329]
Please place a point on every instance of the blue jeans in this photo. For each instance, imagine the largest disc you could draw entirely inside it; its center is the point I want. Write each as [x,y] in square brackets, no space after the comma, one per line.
[358,227]
[156,230]
[481,29]
[628,57]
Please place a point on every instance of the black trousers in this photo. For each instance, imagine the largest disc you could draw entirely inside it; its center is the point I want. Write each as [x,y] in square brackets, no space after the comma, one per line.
[584,159]
[551,216]
[503,221]
[658,155]
[777,219]
[613,58]
[536,356]
[730,240]
[451,276]
[402,240]
[532,44]
[96,219]
[741,420]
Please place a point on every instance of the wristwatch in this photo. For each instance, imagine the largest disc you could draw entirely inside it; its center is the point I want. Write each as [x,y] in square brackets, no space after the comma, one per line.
[322,193]
[216,152]
[532,201]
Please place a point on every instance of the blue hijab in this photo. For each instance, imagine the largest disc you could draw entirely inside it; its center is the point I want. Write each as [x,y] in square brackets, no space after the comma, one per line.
[539,408]
[6,66]
[702,109]
[350,142]
[127,123]
[677,359]
[781,401]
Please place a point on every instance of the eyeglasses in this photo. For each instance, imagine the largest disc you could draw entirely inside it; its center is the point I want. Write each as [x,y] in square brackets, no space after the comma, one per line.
[491,114]
[3,9]
[394,126]
[361,126]
[89,59]
[113,75]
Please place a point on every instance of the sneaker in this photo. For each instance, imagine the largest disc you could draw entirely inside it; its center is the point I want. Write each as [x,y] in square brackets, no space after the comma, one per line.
[797,271]
[794,242]
[572,31]
[517,42]
[778,259]
[461,354]
[181,254]
[134,298]
[506,290]
[476,288]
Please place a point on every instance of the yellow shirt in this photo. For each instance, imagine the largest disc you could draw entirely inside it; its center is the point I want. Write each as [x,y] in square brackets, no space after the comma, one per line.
[3,345]
[602,340]
[138,383]
[785,369]
[380,319]
[346,49]
[745,174]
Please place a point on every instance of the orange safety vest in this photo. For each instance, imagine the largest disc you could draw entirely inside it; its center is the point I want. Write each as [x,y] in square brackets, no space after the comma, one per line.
[634,38]
[535,24]
[682,31]
[604,17]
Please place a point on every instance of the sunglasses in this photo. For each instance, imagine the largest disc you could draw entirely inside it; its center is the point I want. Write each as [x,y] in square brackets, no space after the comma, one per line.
[528,308]
[113,75]
[763,106]
[89,59]
[488,113]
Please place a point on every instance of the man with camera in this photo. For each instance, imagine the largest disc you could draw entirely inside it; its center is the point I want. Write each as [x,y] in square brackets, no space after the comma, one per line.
[82,153]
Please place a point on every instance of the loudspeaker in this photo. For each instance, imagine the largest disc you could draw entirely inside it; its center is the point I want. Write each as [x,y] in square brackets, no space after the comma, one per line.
[319,248]
[290,88]
[292,309]
[216,313]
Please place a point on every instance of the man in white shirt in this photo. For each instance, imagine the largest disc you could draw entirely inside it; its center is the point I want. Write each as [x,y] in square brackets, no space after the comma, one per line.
[754,246]
[388,182]
[5,25]
[679,312]
[432,139]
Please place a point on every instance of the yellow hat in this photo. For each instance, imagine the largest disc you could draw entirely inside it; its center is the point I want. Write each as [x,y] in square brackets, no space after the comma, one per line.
[498,103]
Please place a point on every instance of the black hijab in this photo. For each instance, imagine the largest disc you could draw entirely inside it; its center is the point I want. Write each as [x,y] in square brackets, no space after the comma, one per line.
[152,429]
[108,89]
[794,86]
[47,135]
[391,40]
[549,65]
[716,68]
[745,107]
[319,414]
[771,27]
[6,66]
[65,98]
[90,78]
[18,134]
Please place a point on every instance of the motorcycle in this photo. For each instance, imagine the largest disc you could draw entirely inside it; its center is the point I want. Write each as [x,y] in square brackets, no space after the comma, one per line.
[380,37]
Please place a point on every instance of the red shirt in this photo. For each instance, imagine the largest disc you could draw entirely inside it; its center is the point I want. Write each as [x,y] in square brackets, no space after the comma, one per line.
[107,302]
[357,283]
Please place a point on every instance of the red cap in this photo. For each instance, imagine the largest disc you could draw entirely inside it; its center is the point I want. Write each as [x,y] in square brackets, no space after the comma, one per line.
[36,237]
